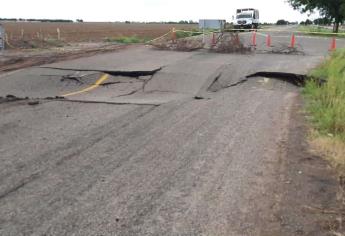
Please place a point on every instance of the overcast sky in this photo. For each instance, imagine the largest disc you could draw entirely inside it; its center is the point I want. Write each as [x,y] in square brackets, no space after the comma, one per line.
[146,10]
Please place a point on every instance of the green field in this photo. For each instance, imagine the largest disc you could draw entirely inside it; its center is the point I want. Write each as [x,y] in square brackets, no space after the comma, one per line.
[319,31]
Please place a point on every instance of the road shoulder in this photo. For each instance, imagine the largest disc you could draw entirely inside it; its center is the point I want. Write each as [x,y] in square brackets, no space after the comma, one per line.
[309,191]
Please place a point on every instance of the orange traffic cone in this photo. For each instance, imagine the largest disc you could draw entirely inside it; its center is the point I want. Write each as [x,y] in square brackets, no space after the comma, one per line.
[333,44]
[293,41]
[214,39]
[268,41]
[254,39]
[237,40]
[173,35]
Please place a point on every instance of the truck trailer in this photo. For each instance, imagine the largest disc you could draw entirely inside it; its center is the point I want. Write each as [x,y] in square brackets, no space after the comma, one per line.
[211,24]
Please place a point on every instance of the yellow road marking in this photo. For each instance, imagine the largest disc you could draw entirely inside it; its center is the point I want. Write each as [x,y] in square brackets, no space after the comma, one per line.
[97,84]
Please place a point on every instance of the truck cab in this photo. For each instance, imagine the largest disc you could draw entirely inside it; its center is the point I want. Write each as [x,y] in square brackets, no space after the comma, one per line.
[247,18]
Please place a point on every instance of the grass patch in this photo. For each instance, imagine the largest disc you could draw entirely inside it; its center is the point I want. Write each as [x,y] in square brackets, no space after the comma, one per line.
[332,148]
[126,40]
[319,31]
[183,34]
[54,42]
[326,103]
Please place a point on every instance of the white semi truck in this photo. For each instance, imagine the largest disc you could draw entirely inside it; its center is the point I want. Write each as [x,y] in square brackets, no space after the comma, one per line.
[247,18]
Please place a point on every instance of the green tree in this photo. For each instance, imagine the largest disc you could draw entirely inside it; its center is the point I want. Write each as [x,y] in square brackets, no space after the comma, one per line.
[334,10]
[322,21]
[308,22]
[282,22]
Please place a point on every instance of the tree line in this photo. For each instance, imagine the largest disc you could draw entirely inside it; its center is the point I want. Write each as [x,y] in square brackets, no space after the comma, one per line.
[319,21]
[36,20]
[80,20]
[184,22]
[332,11]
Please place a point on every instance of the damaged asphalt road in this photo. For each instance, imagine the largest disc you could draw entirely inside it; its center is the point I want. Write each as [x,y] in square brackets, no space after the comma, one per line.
[139,155]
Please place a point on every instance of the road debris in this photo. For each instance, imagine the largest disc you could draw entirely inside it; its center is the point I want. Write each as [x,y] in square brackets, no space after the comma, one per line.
[11,98]
[285,49]
[230,43]
[33,103]
[185,44]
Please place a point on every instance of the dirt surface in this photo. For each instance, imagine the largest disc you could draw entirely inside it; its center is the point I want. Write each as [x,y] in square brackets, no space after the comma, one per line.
[309,190]
[14,60]
[86,32]
[39,43]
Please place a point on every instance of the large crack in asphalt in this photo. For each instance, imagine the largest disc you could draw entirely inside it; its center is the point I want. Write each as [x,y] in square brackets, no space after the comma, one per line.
[77,78]
[138,79]
[35,101]
[298,80]
[139,76]
[295,79]
[213,84]
[131,73]
[210,82]
[215,81]
[108,102]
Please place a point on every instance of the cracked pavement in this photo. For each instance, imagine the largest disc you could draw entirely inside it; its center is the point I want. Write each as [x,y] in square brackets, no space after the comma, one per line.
[139,155]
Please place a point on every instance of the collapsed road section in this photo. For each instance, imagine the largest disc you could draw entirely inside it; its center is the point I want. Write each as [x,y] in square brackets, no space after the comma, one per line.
[160,77]
[43,83]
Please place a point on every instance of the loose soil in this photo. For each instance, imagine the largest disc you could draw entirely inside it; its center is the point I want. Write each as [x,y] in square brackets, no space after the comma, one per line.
[86,32]
[14,60]
[39,42]
[308,179]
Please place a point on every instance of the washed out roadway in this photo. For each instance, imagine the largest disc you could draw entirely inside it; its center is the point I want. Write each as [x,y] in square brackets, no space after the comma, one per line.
[140,155]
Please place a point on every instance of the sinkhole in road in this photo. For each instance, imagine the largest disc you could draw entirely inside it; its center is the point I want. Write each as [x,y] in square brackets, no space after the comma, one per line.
[298,80]
[295,79]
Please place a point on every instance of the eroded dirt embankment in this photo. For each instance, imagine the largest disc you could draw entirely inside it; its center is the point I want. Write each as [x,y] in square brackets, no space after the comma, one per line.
[14,60]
